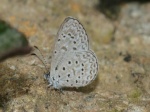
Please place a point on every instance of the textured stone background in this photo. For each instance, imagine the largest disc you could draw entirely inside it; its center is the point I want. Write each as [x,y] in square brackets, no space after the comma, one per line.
[121,43]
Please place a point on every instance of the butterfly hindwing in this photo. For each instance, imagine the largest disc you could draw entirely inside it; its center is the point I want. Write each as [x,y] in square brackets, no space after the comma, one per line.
[78,70]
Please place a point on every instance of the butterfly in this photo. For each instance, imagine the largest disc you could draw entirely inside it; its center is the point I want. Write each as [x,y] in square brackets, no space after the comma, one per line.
[73,63]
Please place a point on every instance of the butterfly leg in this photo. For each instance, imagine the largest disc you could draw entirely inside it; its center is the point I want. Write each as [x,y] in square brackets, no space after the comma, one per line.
[61,91]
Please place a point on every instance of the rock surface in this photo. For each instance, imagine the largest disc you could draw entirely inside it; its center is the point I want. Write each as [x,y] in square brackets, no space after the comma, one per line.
[122,47]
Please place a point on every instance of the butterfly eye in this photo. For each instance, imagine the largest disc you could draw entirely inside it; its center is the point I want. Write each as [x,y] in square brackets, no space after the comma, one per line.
[74,42]
[58,39]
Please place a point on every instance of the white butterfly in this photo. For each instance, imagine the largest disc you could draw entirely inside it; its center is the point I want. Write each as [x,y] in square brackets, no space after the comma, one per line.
[73,63]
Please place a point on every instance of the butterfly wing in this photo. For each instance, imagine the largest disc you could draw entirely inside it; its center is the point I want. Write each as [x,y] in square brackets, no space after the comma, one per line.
[71,56]
[71,37]
[77,70]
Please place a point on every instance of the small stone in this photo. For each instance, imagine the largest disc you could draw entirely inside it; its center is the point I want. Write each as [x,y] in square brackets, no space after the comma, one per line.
[12,67]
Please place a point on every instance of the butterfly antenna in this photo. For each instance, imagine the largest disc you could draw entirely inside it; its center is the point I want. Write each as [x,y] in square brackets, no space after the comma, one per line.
[39,55]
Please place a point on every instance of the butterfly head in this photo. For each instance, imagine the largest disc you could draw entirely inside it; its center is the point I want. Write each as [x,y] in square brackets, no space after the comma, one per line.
[47,76]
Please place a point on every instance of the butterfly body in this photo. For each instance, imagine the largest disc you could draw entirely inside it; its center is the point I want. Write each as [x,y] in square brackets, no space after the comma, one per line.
[73,63]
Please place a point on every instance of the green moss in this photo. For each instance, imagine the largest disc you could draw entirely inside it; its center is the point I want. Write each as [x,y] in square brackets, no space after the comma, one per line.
[135,95]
